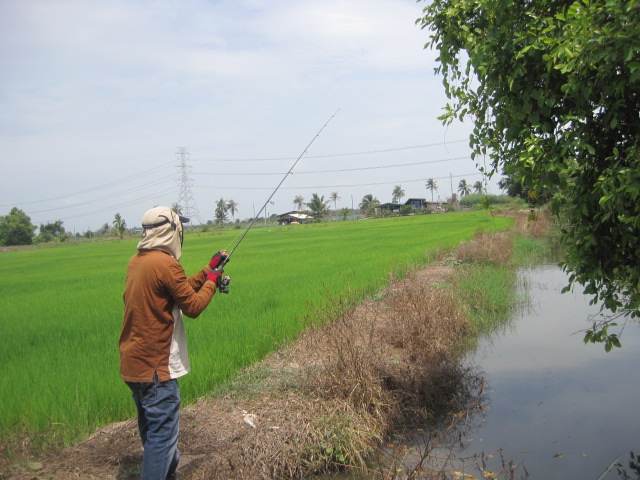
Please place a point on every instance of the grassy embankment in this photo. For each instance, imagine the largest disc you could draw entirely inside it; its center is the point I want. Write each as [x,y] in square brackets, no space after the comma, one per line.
[486,281]
[62,311]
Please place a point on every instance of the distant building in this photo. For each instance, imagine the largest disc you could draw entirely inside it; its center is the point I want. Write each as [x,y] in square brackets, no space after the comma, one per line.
[422,203]
[292,217]
[416,203]
[391,207]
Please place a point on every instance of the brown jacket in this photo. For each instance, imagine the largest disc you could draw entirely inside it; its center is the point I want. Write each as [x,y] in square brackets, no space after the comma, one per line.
[157,292]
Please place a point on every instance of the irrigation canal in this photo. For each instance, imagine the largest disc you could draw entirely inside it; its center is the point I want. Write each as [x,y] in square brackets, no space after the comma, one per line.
[554,406]
[559,407]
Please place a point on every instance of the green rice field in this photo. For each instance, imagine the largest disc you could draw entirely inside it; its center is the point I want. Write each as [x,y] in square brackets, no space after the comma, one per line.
[62,309]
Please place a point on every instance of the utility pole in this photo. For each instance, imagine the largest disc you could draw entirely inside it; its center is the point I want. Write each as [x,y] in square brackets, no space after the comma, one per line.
[186,202]
[454,198]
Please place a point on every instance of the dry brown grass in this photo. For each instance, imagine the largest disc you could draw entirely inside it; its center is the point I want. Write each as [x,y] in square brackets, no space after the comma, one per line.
[535,223]
[494,249]
[378,365]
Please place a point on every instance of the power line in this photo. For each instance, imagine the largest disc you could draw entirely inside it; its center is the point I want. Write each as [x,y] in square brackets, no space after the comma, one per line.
[93,189]
[121,205]
[158,168]
[386,150]
[186,187]
[100,199]
[336,171]
[223,187]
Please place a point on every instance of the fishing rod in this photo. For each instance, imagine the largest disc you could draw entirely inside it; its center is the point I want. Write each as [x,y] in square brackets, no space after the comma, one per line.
[246,230]
[226,280]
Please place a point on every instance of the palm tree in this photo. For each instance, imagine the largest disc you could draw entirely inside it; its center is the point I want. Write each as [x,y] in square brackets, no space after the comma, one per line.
[298,202]
[513,188]
[334,197]
[368,204]
[105,228]
[398,193]
[431,185]
[119,225]
[464,188]
[233,208]
[220,215]
[478,187]
[318,206]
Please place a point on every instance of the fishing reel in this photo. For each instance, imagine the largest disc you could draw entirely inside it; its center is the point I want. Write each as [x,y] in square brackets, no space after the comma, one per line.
[223,286]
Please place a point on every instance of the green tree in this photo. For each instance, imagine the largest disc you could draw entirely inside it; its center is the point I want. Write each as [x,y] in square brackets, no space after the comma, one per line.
[553,90]
[119,225]
[463,188]
[318,206]
[368,204]
[16,228]
[344,213]
[431,185]
[398,194]
[406,210]
[51,231]
[298,202]
[232,207]
[478,187]
[220,215]
[105,228]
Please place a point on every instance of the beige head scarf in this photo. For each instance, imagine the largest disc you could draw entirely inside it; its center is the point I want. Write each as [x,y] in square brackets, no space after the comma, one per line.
[162,230]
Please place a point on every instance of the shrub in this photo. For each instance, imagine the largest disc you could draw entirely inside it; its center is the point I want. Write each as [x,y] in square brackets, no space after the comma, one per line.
[474,199]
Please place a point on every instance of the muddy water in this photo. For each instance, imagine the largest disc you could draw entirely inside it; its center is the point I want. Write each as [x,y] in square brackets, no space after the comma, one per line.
[561,408]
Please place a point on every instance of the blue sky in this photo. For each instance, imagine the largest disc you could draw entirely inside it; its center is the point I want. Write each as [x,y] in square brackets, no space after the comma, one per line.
[96,98]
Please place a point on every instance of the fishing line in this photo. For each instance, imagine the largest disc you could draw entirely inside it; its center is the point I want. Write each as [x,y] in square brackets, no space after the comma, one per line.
[246,230]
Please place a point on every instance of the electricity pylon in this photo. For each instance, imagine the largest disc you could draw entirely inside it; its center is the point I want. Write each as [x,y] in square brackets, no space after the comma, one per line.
[187,204]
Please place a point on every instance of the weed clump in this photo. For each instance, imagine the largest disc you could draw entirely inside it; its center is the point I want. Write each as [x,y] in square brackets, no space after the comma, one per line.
[534,223]
[392,361]
[494,249]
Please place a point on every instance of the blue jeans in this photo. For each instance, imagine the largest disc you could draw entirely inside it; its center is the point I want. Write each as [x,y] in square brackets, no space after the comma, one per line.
[158,405]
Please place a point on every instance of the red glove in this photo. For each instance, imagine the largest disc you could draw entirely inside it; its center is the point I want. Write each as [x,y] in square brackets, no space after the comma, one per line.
[217,259]
[215,276]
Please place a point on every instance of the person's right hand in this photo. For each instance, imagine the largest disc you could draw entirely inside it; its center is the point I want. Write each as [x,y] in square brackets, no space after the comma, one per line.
[215,276]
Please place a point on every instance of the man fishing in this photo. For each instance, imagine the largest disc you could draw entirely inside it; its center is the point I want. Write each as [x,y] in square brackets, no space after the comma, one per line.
[153,348]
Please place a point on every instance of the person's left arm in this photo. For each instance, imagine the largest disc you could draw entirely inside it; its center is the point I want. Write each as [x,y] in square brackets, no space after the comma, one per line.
[190,300]
[197,280]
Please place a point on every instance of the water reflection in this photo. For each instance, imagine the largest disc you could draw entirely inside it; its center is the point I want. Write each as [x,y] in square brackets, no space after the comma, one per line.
[630,470]
[562,408]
